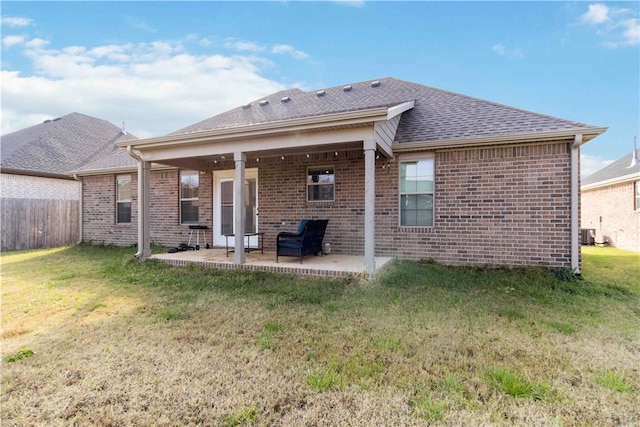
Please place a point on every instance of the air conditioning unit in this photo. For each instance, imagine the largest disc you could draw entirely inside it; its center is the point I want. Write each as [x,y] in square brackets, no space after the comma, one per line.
[587,236]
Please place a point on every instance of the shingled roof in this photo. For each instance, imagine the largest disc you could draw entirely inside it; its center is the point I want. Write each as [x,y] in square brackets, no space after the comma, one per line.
[616,172]
[55,147]
[437,114]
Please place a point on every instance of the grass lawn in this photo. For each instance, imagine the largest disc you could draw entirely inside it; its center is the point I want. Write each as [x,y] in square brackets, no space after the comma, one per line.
[90,337]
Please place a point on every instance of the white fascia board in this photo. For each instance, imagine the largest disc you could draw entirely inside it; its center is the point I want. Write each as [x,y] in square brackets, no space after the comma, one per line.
[613,181]
[262,129]
[399,109]
[569,134]
[118,170]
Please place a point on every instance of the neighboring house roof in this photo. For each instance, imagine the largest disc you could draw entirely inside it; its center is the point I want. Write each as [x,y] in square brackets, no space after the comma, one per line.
[614,173]
[437,115]
[54,147]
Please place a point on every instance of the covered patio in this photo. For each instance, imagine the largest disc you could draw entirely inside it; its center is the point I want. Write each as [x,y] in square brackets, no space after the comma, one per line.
[332,265]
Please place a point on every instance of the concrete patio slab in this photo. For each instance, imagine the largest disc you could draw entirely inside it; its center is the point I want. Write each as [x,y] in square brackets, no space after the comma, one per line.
[331,265]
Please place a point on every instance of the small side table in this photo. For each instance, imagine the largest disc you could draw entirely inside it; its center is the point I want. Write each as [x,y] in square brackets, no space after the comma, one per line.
[247,247]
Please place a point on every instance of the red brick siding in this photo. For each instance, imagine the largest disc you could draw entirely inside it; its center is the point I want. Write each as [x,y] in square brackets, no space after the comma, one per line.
[620,224]
[498,205]
[99,222]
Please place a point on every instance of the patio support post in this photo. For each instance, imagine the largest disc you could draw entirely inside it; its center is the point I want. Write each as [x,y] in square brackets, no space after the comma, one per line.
[369,205]
[144,224]
[238,207]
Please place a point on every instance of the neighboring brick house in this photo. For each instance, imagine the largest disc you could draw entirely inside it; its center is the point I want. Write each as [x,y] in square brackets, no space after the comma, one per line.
[611,204]
[39,198]
[398,168]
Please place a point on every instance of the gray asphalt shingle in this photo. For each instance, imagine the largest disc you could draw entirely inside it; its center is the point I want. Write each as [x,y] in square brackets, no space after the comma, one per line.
[60,145]
[617,169]
[437,115]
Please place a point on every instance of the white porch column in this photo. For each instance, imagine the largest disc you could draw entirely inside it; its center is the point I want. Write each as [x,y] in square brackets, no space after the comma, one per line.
[144,224]
[369,205]
[238,207]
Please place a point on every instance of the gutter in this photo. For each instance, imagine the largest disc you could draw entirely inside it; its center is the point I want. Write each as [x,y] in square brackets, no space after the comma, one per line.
[575,202]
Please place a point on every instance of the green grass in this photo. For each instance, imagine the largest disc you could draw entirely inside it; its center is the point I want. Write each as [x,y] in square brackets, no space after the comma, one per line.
[118,342]
[613,380]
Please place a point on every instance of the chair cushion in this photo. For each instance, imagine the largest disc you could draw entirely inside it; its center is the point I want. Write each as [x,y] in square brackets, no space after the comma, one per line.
[303,222]
[292,244]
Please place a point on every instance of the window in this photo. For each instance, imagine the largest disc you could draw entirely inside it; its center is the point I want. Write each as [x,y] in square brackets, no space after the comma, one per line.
[123,199]
[637,185]
[189,182]
[320,184]
[416,193]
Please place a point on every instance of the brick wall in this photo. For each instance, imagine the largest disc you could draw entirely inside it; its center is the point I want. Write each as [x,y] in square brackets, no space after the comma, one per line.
[498,205]
[99,209]
[36,187]
[620,224]
[494,206]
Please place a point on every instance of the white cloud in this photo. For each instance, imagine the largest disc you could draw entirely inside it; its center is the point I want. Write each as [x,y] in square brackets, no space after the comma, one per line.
[503,50]
[16,21]
[596,14]
[243,45]
[154,87]
[617,27]
[282,49]
[591,164]
[10,41]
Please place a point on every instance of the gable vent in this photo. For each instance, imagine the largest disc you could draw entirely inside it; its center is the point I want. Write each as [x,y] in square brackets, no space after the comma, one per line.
[264,102]
[375,83]
[285,99]
[320,93]
[347,88]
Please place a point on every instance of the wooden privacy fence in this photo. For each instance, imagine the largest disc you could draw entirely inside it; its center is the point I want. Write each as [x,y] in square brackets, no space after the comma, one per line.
[36,223]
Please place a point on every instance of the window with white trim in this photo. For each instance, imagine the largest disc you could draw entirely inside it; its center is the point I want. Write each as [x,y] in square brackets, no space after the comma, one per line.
[189,183]
[123,199]
[637,185]
[416,192]
[320,184]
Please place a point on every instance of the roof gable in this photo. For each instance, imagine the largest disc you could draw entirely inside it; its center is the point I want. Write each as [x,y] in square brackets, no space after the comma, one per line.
[60,145]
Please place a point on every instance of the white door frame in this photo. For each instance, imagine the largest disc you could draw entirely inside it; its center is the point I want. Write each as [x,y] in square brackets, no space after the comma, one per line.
[218,237]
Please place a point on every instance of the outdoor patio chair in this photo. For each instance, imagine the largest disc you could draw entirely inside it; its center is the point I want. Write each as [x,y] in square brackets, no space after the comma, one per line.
[305,241]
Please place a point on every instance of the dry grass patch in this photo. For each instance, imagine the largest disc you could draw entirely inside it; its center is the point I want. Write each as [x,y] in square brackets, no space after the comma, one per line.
[117,342]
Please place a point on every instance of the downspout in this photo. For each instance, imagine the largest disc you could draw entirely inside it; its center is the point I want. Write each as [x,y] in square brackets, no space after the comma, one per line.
[575,203]
[80,208]
[138,254]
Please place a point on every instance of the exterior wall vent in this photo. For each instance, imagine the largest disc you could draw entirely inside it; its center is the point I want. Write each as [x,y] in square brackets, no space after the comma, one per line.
[285,99]
[264,102]
[347,88]
[375,83]
[320,93]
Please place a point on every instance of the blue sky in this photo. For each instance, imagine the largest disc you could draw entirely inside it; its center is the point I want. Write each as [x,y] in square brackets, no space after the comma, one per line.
[160,66]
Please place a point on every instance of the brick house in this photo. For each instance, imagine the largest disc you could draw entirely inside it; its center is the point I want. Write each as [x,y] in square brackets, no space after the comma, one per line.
[611,203]
[39,198]
[398,168]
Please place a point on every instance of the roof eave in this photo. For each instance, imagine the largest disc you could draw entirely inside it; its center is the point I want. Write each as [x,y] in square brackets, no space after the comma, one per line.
[40,174]
[264,129]
[635,176]
[117,170]
[568,134]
